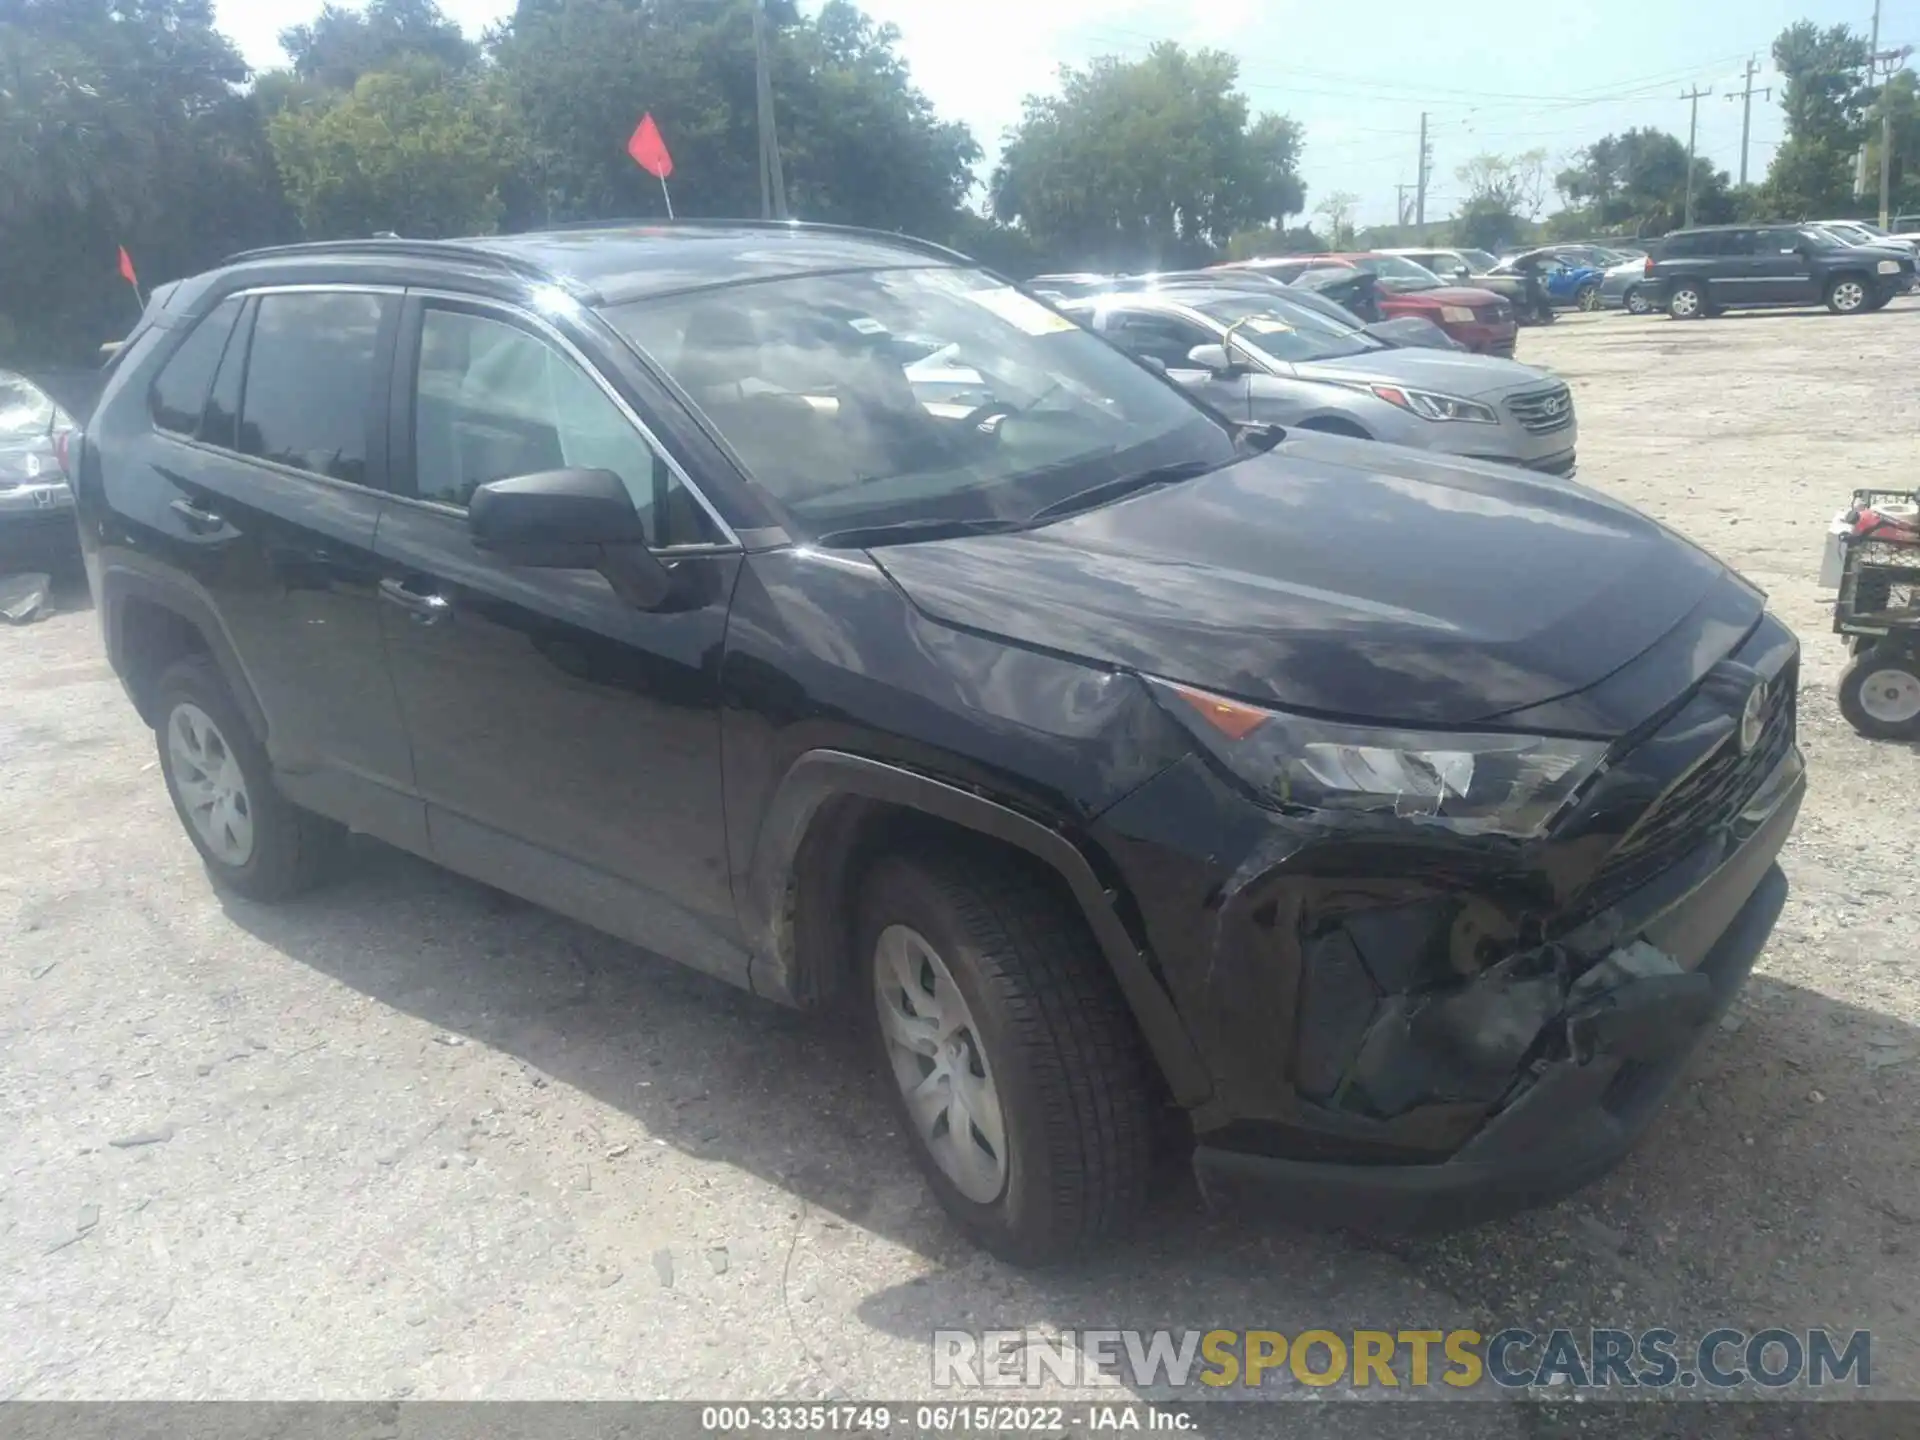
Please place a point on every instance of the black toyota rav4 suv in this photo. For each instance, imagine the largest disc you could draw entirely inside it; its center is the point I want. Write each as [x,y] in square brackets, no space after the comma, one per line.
[819,610]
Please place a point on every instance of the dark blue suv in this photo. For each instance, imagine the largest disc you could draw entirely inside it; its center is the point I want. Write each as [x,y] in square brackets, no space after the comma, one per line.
[823,612]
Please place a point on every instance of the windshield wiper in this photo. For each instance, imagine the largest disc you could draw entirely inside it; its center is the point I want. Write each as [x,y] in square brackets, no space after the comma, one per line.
[901,532]
[1108,491]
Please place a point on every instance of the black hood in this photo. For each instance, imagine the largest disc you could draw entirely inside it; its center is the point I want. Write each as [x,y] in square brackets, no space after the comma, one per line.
[1338,576]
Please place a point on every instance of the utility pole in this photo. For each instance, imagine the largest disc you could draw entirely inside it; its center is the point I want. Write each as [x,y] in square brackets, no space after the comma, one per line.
[1420,186]
[773,184]
[1891,60]
[1696,95]
[1745,97]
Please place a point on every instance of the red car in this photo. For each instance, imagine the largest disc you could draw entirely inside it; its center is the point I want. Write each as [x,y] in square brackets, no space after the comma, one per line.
[1479,319]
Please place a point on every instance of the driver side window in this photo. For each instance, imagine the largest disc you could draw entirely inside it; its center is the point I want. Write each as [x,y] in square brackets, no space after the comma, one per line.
[1165,338]
[494,401]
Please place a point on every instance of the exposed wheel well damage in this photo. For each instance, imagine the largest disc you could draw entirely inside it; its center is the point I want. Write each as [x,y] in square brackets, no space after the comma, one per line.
[837,813]
[150,638]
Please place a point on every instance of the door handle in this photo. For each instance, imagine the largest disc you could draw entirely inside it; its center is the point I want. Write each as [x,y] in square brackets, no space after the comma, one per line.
[199,521]
[424,609]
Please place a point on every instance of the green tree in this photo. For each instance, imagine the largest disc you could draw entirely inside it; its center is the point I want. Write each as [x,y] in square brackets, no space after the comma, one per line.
[859,143]
[120,124]
[1825,96]
[1152,162]
[1635,183]
[339,45]
[1504,195]
[414,149]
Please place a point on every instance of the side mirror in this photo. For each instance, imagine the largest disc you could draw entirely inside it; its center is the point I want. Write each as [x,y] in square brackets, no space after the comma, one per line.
[1461,272]
[570,520]
[1216,359]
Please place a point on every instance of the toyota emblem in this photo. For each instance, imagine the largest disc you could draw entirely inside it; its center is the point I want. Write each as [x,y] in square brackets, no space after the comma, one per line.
[1753,719]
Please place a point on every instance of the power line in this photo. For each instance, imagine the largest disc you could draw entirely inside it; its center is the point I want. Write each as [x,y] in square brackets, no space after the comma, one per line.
[1746,113]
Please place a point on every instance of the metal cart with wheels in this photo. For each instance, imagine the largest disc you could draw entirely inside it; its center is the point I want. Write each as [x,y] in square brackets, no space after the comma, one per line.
[1872,561]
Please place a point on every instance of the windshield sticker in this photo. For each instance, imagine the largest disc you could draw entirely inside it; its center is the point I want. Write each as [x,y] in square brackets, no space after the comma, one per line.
[1020,311]
[868,327]
[1260,325]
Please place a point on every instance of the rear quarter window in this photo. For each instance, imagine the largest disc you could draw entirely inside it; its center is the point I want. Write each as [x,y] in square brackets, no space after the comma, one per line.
[178,394]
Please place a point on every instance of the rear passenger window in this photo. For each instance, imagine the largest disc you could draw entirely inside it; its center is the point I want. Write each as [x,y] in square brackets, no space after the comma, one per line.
[179,391]
[309,399]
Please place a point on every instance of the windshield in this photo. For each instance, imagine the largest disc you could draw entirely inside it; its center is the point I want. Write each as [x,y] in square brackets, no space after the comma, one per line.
[1823,240]
[1398,273]
[1293,334]
[809,383]
[25,411]
[1480,261]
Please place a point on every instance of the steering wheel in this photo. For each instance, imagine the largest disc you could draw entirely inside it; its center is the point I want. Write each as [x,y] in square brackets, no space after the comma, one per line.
[976,418]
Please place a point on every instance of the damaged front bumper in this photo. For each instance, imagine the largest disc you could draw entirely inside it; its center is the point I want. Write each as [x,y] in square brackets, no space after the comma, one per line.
[1407,1034]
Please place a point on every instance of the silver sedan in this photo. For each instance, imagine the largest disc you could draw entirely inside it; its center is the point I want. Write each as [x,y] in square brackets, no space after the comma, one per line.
[33,489]
[1260,357]
[1624,287]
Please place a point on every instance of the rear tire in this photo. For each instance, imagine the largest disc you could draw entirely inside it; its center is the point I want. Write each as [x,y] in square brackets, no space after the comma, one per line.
[1687,302]
[1880,694]
[253,841]
[1848,295]
[986,994]
[1636,302]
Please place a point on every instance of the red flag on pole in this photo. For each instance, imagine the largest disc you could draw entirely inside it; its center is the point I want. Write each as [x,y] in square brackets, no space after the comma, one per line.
[126,274]
[648,150]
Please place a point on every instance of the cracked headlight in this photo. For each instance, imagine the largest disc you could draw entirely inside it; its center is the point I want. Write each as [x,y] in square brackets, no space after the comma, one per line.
[1474,784]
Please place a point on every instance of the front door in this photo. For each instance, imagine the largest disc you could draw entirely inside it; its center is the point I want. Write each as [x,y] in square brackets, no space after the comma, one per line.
[1157,335]
[1782,269]
[566,742]
[275,486]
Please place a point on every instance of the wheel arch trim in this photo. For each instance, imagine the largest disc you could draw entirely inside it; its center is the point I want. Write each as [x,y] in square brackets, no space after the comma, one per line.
[122,586]
[820,776]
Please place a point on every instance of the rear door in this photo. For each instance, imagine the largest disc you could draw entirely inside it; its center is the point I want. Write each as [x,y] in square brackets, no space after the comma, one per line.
[567,743]
[270,443]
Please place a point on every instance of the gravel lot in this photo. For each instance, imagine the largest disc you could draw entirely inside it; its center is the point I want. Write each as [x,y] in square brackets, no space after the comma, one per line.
[408,1138]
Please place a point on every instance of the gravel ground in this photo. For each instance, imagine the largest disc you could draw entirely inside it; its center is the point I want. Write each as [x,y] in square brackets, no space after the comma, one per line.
[407,1138]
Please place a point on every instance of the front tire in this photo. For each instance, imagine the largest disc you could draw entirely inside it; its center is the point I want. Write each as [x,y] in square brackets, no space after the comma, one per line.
[1880,694]
[252,840]
[1687,302]
[1012,1060]
[1847,295]
[1588,298]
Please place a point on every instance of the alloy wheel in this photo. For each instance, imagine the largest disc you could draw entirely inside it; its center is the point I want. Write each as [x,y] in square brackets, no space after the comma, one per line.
[1849,295]
[1685,304]
[940,1064]
[1891,697]
[1637,303]
[1590,298]
[212,790]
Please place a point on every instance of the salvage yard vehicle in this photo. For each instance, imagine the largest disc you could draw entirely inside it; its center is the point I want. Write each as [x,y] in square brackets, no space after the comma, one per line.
[1395,824]
[36,505]
[1477,268]
[1872,561]
[1478,319]
[1265,358]
[1701,272]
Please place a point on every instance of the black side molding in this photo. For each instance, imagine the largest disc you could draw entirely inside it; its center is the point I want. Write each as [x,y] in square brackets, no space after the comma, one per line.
[822,775]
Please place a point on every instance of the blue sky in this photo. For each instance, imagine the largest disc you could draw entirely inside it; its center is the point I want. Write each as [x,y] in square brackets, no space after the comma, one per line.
[1493,75]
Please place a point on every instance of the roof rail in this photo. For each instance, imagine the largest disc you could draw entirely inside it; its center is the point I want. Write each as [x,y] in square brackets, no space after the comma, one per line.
[654,222]
[400,247]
